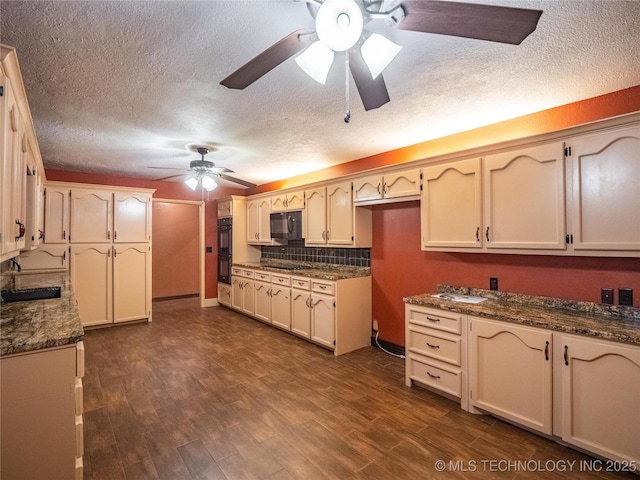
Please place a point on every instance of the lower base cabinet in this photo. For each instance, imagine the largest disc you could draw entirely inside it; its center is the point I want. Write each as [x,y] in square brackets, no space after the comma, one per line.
[600,397]
[41,422]
[510,372]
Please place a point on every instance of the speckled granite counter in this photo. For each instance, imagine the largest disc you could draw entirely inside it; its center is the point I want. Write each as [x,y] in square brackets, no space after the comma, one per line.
[38,324]
[608,322]
[322,271]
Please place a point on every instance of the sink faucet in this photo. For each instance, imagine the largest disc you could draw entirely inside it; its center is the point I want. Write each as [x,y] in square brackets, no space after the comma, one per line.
[16,264]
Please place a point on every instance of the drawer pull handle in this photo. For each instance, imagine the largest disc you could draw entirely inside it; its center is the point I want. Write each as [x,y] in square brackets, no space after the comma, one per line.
[432,346]
[566,355]
[546,351]
[437,377]
[323,287]
[432,319]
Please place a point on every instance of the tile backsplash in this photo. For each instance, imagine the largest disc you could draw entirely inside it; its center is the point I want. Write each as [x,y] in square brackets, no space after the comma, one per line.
[295,250]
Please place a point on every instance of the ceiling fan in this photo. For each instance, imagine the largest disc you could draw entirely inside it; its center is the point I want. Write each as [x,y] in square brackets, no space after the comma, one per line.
[340,28]
[204,172]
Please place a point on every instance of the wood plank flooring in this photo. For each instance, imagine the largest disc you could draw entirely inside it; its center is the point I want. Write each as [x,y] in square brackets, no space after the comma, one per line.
[211,394]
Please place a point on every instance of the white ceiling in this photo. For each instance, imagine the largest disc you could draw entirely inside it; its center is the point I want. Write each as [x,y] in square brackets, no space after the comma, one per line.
[117,87]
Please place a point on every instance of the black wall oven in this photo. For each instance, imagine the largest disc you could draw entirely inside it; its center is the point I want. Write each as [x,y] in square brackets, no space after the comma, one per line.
[224,250]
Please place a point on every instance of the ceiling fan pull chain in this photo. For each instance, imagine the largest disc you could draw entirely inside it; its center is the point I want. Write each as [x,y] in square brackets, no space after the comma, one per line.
[347,114]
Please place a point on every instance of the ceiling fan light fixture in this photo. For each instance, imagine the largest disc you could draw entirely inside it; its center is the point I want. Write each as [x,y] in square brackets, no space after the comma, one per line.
[339,24]
[378,52]
[208,183]
[192,183]
[316,61]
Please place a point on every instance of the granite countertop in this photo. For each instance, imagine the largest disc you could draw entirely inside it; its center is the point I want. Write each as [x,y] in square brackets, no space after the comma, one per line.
[39,324]
[608,322]
[321,271]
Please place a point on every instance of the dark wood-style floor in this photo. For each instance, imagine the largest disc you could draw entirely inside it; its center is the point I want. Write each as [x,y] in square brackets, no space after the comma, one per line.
[211,394]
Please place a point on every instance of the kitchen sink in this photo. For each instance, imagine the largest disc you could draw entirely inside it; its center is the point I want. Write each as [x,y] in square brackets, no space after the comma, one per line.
[29,294]
[459,298]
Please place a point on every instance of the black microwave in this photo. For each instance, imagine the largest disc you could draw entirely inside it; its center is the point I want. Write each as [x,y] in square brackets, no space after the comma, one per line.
[286,225]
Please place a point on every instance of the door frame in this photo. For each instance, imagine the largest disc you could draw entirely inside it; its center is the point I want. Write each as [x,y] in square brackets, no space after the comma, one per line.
[201,240]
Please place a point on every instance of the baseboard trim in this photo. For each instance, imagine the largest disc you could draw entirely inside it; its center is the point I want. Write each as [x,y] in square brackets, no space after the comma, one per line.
[391,347]
[210,302]
[175,297]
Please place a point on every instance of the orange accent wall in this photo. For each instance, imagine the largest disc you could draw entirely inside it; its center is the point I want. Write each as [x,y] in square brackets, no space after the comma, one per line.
[399,269]
[169,190]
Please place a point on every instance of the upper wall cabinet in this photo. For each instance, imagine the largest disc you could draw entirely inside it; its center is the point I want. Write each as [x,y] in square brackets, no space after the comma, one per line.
[258,222]
[131,217]
[395,185]
[452,205]
[91,212]
[329,215]
[604,208]
[524,199]
[288,202]
[56,214]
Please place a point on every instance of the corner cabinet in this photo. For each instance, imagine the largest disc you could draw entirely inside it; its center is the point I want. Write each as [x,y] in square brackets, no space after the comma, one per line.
[605,203]
[510,372]
[600,392]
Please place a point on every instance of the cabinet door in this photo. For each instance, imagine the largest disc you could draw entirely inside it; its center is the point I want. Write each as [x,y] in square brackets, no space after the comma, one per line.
[295,201]
[323,320]
[35,206]
[131,218]
[14,177]
[300,313]
[262,301]
[339,214]
[131,282]
[224,208]
[91,280]
[45,257]
[367,188]
[248,297]
[605,204]
[451,205]
[224,294]
[56,215]
[236,292]
[279,203]
[316,217]
[600,393]
[252,221]
[281,307]
[524,198]
[264,220]
[90,216]
[510,372]
[402,184]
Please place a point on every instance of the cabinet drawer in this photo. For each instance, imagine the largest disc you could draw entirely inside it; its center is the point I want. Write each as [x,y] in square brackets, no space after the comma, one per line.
[80,359]
[435,345]
[301,283]
[236,271]
[448,381]
[248,273]
[323,287]
[263,276]
[284,280]
[79,390]
[434,318]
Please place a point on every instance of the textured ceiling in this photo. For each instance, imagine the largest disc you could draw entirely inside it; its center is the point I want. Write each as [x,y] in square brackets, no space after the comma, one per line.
[117,87]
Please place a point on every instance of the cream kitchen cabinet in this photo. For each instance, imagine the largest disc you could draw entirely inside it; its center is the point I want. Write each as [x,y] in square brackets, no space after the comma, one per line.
[14,173]
[112,283]
[604,206]
[242,290]
[313,311]
[258,221]
[329,215]
[262,292]
[600,388]
[35,210]
[225,208]
[510,372]
[524,199]
[45,257]
[451,205]
[91,216]
[131,217]
[56,214]
[392,185]
[300,310]
[281,301]
[42,425]
[224,294]
[436,351]
[288,202]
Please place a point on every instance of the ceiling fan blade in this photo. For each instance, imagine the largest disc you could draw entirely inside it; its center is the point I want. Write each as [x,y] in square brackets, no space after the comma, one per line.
[266,61]
[373,92]
[167,168]
[470,20]
[171,176]
[238,181]
[224,170]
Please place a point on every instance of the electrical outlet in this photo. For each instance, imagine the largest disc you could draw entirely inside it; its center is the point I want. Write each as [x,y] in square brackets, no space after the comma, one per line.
[493,283]
[625,296]
[375,325]
[606,296]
